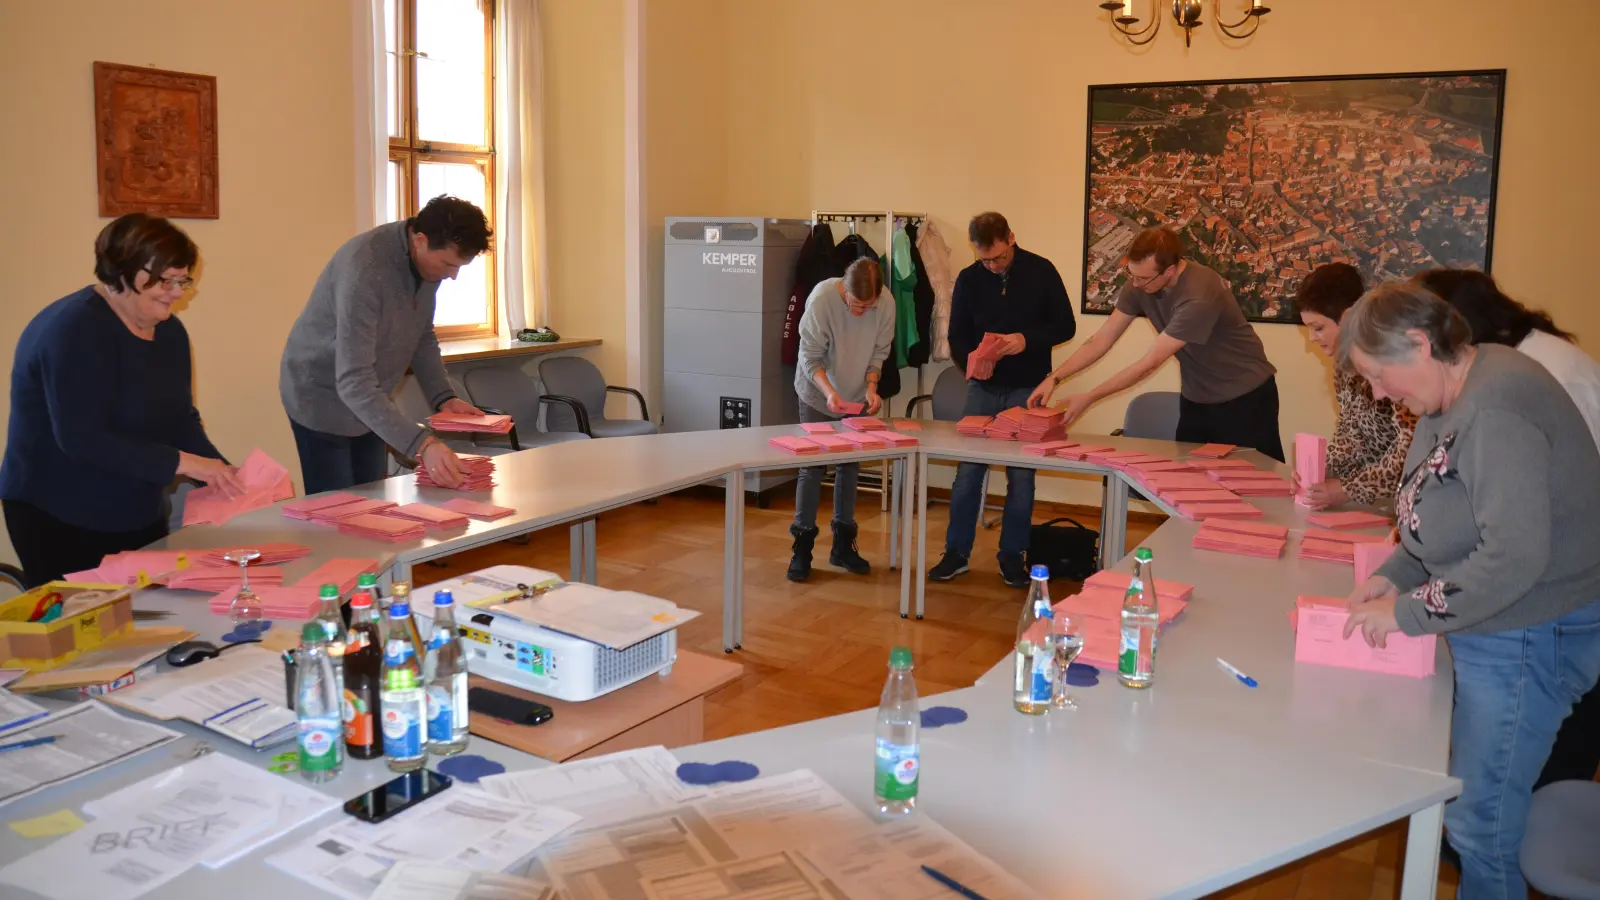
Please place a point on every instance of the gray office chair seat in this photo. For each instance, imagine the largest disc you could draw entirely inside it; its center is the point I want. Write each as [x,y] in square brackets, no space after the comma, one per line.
[1561,839]
[578,381]
[1152,415]
[604,428]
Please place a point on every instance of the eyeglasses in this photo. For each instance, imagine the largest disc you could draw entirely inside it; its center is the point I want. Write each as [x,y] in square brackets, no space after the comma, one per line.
[182,284]
[1141,281]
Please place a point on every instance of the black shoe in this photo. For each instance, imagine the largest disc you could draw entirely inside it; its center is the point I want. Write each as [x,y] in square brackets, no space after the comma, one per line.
[1448,854]
[800,563]
[950,565]
[1012,570]
[844,553]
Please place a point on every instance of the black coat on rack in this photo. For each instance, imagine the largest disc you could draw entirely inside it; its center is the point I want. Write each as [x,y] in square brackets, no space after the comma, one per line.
[919,353]
[814,264]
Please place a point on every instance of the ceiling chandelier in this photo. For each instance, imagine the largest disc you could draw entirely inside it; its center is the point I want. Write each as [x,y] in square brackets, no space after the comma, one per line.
[1186,13]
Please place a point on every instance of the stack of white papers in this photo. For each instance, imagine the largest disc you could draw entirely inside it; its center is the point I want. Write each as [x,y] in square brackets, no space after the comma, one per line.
[241,694]
[89,737]
[615,619]
[16,712]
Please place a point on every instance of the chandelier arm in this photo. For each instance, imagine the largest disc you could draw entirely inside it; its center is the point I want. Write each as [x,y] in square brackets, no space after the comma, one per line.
[1236,35]
[1216,10]
[1154,28]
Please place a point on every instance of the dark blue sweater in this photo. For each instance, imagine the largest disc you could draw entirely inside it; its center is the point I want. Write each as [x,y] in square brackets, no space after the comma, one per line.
[1029,300]
[98,416]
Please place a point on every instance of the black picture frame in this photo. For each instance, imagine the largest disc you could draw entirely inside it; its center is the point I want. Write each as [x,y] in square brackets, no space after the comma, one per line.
[1242,228]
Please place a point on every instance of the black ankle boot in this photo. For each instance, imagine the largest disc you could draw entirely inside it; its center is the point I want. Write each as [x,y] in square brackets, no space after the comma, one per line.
[800,563]
[844,553]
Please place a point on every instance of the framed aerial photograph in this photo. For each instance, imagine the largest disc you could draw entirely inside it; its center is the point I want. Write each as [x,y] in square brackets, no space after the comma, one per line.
[1268,179]
[155,141]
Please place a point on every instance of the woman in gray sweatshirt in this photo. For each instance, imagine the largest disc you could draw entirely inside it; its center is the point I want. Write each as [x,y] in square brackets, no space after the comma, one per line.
[1499,551]
[845,336]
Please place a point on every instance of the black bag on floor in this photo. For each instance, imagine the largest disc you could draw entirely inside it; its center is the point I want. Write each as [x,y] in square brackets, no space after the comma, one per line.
[1071,551]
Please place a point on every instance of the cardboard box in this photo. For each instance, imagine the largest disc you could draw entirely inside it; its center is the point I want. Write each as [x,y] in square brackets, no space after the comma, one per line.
[91,615]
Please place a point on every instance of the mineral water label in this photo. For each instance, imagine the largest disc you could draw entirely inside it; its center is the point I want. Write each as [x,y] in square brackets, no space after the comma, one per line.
[1128,659]
[319,742]
[1041,687]
[357,720]
[896,771]
[402,726]
[447,708]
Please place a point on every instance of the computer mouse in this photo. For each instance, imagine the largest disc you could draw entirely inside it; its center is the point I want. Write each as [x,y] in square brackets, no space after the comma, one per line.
[187,653]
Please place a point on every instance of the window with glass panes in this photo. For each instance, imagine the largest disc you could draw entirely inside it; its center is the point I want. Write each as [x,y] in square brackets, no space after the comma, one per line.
[440,60]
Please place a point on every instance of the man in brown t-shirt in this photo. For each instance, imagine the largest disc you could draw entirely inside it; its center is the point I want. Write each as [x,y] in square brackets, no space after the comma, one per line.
[1229,393]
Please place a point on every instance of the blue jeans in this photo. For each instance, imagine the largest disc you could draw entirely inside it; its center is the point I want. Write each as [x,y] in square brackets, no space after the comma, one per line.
[333,462]
[808,492]
[1513,689]
[966,495]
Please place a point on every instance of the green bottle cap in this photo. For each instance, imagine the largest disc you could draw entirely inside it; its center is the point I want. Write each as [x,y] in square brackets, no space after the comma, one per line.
[366,580]
[1143,554]
[329,592]
[900,657]
[312,632]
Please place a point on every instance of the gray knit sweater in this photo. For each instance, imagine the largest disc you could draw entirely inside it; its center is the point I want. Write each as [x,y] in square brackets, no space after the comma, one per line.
[370,317]
[845,345]
[1497,507]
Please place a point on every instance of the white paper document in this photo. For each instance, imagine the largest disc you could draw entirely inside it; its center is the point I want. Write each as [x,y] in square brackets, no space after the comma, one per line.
[602,790]
[90,737]
[774,876]
[482,588]
[463,828]
[135,851]
[240,695]
[430,881]
[781,812]
[888,865]
[292,803]
[17,711]
[9,675]
[616,619]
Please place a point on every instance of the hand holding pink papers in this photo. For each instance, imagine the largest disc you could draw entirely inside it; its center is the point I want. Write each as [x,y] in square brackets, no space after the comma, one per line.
[1350,520]
[485,424]
[479,474]
[852,409]
[477,510]
[1310,463]
[265,483]
[980,362]
[1319,639]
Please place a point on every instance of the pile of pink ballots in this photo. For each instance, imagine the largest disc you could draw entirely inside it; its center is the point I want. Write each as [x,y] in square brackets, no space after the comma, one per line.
[1335,546]
[1272,486]
[1244,538]
[863,423]
[431,516]
[477,510]
[1043,424]
[479,475]
[852,409]
[980,362]
[271,554]
[1048,448]
[817,427]
[1203,464]
[382,527]
[299,600]
[1319,639]
[1310,462]
[1348,520]
[1097,610]
[265,483]
[797,445]
[907,425]
[126,567]
[485,424]
[1006,426]
[1212,451]
[217,578]
[973,426]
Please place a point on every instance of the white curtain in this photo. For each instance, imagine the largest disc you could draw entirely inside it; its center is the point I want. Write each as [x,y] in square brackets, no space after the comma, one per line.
[371,114]
[519,165]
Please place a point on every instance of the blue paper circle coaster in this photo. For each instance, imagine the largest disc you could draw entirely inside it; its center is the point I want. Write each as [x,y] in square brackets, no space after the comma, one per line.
[247,632]
[935,716]
[1082,675]
[715,773]
[469,768]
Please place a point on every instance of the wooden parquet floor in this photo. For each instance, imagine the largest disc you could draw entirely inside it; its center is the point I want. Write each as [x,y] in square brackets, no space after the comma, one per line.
[820,648]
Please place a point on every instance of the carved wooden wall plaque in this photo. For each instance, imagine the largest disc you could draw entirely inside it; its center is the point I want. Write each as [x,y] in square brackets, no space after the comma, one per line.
[156,141]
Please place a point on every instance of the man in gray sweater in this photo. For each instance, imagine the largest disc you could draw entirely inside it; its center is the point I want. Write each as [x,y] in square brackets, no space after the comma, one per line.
[369,319]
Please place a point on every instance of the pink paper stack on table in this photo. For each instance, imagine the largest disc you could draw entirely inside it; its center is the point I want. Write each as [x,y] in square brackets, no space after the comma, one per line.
[299,601]
[832,443]
[216,578]
[1212,451]
[271,554]
[1178,498]
[1127,463]
[477,510]
[342,571]
[124,567]
[1042,425]
[863,423]
[361,506]
[896,438]
[1319,639]
[485,424]
[1258,487]
[1242,475]
[1178,481]
[1080,452]
[817,427]
[1234,542]
[382,527]
[265,483]
[1327,551]
[1258,529]
[1368,557]
[1098,614]
[980,362]
[1150,468]
[1048,448]
[1345,537]
[796,445]
[1105,455]
[865,440]
[302,509]
[852,409]
[1348,520]
[1007,426]
[479,474]
[1119,582]
[1206,511]
[907,425]
[431,516]
[973,426]
[1209,464]
[1310,462]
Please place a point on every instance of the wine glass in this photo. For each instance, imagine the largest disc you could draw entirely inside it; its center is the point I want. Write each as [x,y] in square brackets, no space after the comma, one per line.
[1066,642]
[246,606]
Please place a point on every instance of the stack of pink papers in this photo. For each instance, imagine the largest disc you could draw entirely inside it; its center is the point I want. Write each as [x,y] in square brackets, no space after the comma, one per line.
[973,426]
[864,440]
[124,567]
[980,362]
[1098,614]
[1205,511]
[1182,481]
[852,409]
[1127,463]
[302,509]
[1041,425]
[382,527]
[1119,581]
[1080,452]
[360,506]
[1177,498]
[832,443]
[896,438]
[1346,537]
[1208,464]
[1259,529]
[817,427]
[863,423]
[1151,468]
[796,445]
[478,510]
[1319,639]
[479,474]
[265,483]
[431,516]
[485,424]
[1344,520]
[1310,462]
[1212,451]
[271,554]
[1007,426]
[1049,448]
[1341,546]
[1258,487]
[1242,475]
[1208,538]
[1368,557]
[217,578]
[342,572]
[1327,551]
[299,601]
[907,425]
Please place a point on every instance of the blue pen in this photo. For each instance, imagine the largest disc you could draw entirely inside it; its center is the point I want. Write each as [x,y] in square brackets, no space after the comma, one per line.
[953,884]
[1244,679]
[32,742]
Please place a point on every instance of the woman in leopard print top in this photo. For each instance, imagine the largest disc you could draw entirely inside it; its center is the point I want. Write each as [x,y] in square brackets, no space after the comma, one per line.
[1367,453]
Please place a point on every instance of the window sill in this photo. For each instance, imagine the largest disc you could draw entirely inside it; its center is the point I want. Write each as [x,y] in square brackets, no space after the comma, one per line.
[466,349]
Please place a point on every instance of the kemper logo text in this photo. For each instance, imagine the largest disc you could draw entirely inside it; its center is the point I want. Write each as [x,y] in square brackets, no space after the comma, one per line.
[712,258]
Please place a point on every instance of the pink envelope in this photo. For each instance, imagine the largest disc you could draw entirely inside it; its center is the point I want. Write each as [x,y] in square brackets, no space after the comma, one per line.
[907,425]
[1345,537]
[1119,581]
[1348,520]
[1180,481]
[1048,448]
[1368,557]
[796,445]
[1241,474]
[852,408]
[1203,463]
[1258,529]
[1212,451]
[896,439]
[477,510]
[432,516]
[342,571]
[832,443]
[1151,468]
[1177,498]
[1327,551]
[1205,511]
[265,483]
[1230,542]
[864,440]
[331,514]
[302,509]
[863,423]
[1319,639]
[1310,462]
[817,427]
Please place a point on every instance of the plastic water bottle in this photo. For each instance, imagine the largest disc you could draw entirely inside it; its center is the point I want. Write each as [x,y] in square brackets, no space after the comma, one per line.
[318,708]
[334,625]
[1141,617]
[1034,657]
[404,704]
[445,672]
[898,765]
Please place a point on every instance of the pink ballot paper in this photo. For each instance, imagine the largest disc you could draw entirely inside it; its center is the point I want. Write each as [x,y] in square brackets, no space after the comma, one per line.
[477,510]
[1310,462]
[817,427]
[1369,557]
[1319,639]
[1348,520]
[265,483]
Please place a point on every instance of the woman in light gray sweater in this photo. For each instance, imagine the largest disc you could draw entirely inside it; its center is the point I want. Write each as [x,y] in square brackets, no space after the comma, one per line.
[845,336]
[1499,551]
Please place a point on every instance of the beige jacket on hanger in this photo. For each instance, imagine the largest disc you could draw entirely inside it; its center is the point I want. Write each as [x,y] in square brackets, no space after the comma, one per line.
[936,259]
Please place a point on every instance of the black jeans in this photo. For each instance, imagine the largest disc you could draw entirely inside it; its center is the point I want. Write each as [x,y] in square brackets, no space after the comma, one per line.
[49,548]
[333,462]
[1250,420]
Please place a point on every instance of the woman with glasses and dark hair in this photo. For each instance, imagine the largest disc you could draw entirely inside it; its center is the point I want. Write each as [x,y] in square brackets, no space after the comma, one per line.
[102,416]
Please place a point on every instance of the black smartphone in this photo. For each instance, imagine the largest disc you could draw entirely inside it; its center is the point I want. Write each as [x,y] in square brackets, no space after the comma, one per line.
[507,708]
[400,794]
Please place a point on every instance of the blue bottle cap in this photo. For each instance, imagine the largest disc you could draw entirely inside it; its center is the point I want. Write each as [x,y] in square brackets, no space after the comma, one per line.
[399,609]
[443,598]
[1041,573]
